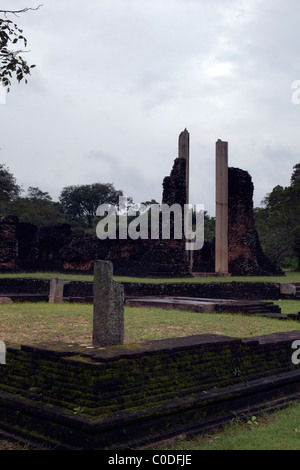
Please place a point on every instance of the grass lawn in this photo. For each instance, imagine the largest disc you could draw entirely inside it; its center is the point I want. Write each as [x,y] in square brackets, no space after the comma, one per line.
[72,323]
[291,276]
[279,430]
[34,322]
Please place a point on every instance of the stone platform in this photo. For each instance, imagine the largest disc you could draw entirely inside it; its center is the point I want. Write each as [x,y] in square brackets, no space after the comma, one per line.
[203,305]
[77,397]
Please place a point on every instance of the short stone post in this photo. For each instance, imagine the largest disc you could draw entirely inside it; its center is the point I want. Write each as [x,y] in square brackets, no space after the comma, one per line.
[57,290]
[2,352]
[108,315]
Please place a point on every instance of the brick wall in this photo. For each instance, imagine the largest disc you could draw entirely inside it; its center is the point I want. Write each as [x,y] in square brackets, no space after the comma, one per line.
[216,290]
[123,396]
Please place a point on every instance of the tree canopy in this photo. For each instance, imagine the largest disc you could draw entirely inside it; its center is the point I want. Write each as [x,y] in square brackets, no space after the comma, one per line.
[9,189]
[82,201]
[77,204]
[36,207]
[278,221]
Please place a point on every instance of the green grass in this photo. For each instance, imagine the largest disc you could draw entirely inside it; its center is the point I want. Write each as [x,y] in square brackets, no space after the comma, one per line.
[290,276]
[288,306]
[72,322]
[279,430]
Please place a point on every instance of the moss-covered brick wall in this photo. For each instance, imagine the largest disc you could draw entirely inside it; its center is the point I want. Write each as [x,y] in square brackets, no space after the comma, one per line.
[10,285]
[226,290]
[214,290]
[121,396]
[84,289]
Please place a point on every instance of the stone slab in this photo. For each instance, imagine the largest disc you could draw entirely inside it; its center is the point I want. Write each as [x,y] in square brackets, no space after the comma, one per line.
[201,304]
[108,313]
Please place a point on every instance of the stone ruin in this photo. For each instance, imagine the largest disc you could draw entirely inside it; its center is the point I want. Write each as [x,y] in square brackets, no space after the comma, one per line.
[108,304]
[245,254]
[57,248]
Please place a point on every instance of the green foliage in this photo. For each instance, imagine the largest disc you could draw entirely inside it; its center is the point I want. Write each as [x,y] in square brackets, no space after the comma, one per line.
[9,189]
[11,61]
[278,222]
[78,409]
[295,178]
[209,227]
[35,194]
[290,263]
[36,208]
[80,202]
[253,421]
[148,204]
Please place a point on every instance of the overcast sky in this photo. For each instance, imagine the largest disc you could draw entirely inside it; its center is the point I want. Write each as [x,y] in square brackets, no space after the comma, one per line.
[116,81]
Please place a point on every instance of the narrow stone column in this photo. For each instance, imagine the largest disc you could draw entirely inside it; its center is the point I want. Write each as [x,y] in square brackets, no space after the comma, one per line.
[108,315]
[184,152]
[221,235]
[57,289]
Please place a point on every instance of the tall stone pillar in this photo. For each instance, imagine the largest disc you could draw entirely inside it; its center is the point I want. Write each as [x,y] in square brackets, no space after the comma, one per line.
[184,152]
[221,235]
[108,315]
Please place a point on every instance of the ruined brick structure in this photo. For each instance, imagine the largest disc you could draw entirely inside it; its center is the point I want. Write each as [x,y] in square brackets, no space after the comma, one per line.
[8,242]
[24,247]
[245,254]
[58,248]
[174,186]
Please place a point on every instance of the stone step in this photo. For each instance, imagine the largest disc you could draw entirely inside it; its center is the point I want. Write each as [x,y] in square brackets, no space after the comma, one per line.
[297,289]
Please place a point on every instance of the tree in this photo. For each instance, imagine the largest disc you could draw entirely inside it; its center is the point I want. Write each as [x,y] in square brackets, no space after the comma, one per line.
[295,178]
[278,222]
[35,194]
[9,189]
[36,207]
[81,201]
[148,204]
[11,60]
[274,197]
[209,227]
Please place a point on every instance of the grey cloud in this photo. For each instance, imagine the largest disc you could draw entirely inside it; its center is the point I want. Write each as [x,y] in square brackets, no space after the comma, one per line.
[124,78]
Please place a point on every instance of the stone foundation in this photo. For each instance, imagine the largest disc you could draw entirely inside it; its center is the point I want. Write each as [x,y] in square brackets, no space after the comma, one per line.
[215,290]
[74,397]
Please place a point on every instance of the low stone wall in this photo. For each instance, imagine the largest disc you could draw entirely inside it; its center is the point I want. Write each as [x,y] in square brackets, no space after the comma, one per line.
[75,397]
[24,286]
[214,290]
